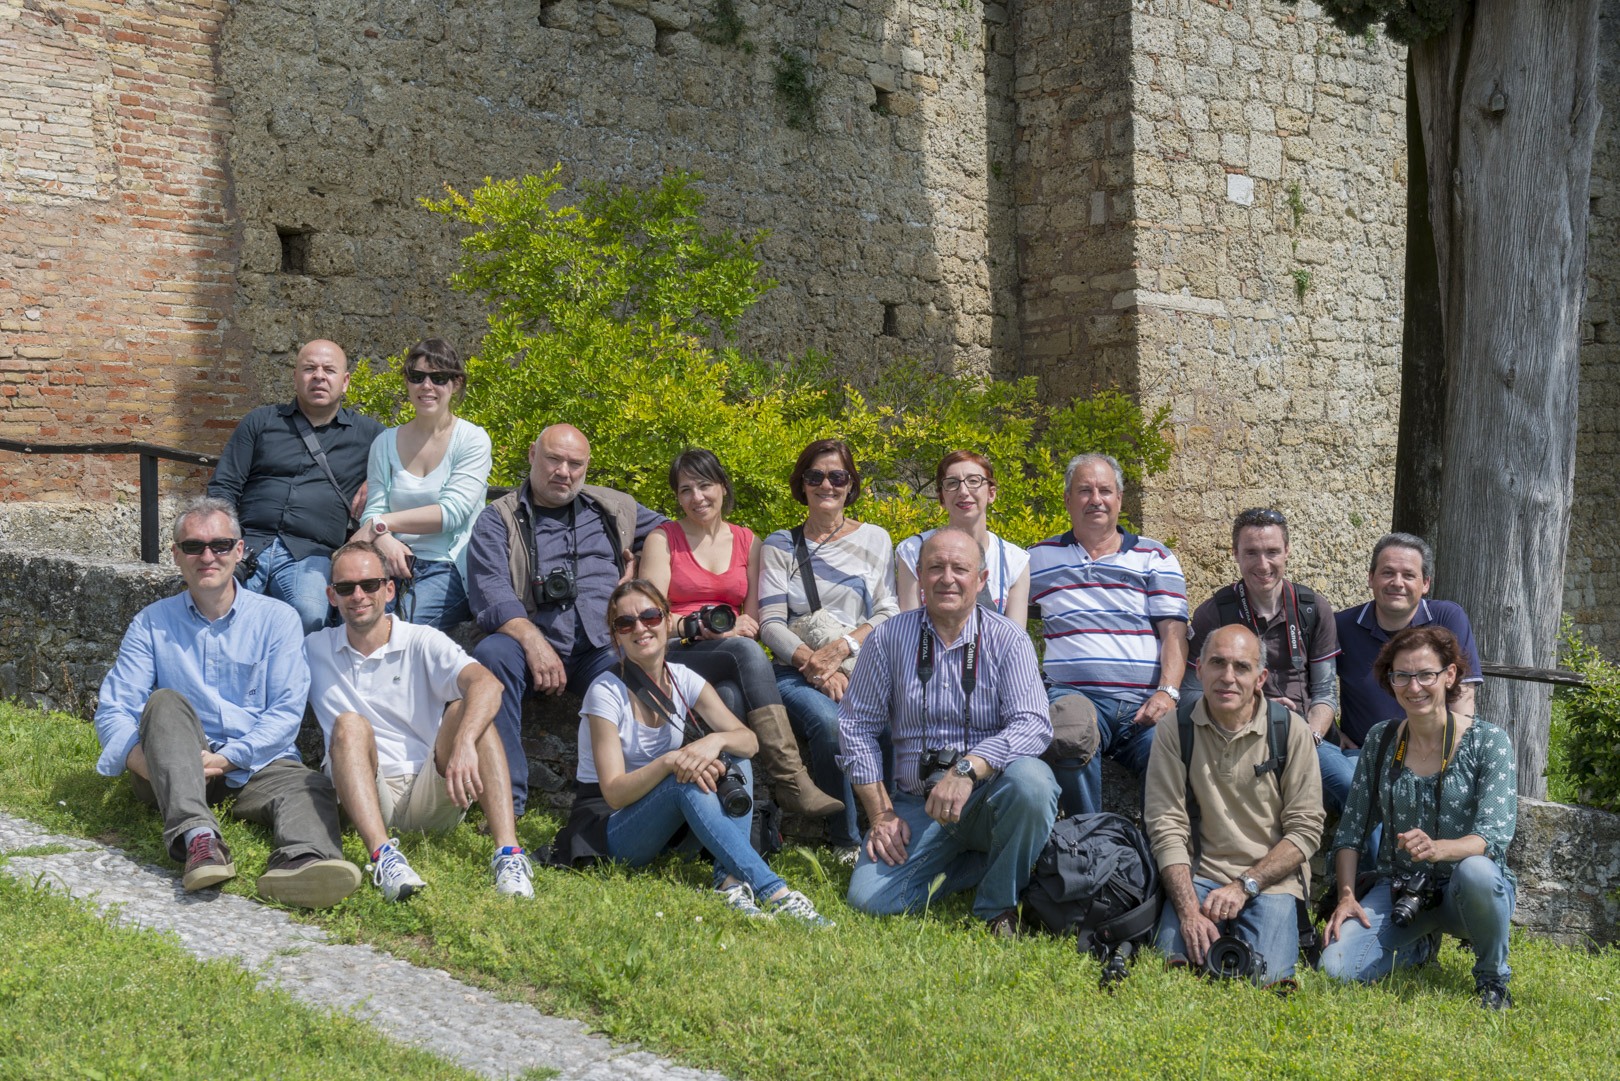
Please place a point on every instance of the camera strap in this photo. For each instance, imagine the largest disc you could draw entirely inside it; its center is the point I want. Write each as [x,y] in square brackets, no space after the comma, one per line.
[1291,621]
[316,451]
[801,556]
[1448,749]
[520,514]
[970,669]
[653,697]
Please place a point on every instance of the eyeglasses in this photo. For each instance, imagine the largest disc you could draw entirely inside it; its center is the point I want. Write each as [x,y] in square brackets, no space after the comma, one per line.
[219,546]
[440,379]
[647,617]
[1424,679]
[370,585]
[838,478]
[972,482]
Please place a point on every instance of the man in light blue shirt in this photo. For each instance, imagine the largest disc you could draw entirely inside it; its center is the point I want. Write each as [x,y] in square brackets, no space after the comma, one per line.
[203,702]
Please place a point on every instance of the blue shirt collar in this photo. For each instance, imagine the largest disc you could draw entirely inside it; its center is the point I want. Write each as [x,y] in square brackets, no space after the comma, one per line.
[230,613]
[1127,540]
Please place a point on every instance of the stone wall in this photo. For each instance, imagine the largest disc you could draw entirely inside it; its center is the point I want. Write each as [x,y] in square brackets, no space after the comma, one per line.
[117,252]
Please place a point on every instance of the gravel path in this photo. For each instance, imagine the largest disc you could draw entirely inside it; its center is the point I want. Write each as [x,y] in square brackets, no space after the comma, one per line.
[421,1006]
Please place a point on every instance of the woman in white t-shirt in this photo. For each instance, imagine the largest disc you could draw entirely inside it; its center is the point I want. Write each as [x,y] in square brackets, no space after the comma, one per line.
[967,486]
[640,779]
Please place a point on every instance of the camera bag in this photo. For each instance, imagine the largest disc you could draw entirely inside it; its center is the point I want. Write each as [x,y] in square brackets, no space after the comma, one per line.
[1096,880]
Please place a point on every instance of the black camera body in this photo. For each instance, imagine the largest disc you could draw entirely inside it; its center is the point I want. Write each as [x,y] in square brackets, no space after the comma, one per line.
[557,587]
[1412,892]
[732,791]
[718,618]
[1231,958]
[934,764]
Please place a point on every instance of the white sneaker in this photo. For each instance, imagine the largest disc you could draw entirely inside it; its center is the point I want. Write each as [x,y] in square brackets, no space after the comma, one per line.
[514,874]
[392,875]
[795,904]
[741,897]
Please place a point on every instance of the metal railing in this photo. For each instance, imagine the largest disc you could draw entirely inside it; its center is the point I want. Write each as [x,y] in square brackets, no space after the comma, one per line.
[149,453]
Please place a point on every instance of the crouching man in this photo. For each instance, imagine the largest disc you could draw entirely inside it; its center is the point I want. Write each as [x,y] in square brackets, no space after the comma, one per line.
[1233,824]
[410,742]
[960,688]
[204,702]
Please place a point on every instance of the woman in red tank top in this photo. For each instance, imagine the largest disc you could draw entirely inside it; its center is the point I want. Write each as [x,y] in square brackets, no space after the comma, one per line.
[701,561]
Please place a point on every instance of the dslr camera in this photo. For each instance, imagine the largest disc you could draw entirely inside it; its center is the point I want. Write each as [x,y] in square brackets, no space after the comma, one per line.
[1230,958]
[1413,892]
[935,763]
[732,791]
[557,586]
[718,618]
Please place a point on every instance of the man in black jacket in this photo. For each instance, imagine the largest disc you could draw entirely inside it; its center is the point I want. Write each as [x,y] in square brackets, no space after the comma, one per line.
[296,473]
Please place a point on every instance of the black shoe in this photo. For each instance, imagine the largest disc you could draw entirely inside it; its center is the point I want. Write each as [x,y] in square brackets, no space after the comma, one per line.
[208,863]
[1494,994]
[1004,925]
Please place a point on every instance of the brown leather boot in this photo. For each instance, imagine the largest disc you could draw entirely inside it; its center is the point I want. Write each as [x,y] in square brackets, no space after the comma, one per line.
[779,754]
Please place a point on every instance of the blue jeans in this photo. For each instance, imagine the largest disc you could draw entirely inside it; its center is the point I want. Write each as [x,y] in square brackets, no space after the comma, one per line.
[502,655]
[437,596]
[814,717]
[299,582]
[1119,737]
[1477,905]
[1003,828]
[1268,923]
[1338,769]
[638,833]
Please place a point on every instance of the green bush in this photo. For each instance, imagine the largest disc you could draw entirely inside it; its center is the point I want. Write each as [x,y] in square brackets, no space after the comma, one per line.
[616,316]
[1590,727]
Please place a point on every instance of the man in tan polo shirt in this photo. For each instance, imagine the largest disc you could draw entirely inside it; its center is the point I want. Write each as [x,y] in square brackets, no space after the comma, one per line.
[1242,867]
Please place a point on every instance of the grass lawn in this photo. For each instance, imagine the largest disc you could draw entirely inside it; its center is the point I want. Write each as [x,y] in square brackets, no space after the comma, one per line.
[647,957]
[82,997]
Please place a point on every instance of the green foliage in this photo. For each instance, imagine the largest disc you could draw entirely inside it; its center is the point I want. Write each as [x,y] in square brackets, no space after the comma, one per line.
[796,89]
[725,26]
[1296,203]
[1405,21]
[605,316]
[1590,722]
[1302,282]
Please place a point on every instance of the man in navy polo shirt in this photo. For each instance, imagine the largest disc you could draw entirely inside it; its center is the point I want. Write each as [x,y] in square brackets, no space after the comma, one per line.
[1402,567]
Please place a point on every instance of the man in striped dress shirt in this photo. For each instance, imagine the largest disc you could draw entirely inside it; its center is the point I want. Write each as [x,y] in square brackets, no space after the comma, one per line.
[957,678]
[1114,610]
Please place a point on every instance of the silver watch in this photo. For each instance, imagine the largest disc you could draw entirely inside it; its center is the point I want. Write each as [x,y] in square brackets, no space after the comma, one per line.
[1251,886]
[1174,693]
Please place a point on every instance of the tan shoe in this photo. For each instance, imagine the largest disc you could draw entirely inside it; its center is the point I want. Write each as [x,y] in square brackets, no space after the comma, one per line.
[779,755]
[310,882]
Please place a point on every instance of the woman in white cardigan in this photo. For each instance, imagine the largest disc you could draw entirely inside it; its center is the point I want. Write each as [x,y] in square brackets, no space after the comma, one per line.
[426,482]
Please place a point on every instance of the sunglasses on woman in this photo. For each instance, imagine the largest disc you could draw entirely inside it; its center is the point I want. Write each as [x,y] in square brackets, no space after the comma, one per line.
[369,585]
[838,478]
[219,546]
[440,379]
[647,617]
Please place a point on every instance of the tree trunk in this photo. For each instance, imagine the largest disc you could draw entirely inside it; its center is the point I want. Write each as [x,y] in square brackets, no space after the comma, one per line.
[1420,450]
[1507,96]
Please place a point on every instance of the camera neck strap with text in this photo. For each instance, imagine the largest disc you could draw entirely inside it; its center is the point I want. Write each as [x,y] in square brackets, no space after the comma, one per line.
[653,697]
[1292,623]
[970,669]
[1447,751]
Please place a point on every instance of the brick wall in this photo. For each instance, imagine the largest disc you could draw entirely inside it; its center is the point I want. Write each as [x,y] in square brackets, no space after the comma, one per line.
[116,253]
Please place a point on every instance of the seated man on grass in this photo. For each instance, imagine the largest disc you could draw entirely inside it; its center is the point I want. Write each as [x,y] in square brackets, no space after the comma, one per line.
[407,715]
[957,683]
[204,702]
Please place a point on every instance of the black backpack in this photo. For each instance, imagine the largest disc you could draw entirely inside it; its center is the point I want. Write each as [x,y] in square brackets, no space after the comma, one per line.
[1096,879]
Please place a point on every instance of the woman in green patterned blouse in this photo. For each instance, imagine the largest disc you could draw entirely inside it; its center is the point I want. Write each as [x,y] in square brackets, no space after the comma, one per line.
[1445,789]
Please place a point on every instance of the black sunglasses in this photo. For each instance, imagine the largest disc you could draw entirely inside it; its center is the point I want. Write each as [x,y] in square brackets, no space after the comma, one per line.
[440,379]
[370,585]
[219,546]
[647,617]
[838,478]
[1260,516]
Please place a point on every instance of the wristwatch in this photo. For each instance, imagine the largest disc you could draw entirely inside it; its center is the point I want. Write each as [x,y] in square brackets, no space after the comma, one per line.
[378,527]
[963,768]
[854,646]
[1173,692]
[1251,886]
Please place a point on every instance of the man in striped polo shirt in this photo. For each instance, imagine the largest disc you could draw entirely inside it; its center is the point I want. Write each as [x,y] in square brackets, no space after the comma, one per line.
[1114,612]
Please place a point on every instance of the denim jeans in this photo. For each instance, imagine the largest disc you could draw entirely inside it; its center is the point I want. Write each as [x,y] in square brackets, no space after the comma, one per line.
[299,582]
[1268,923]
[1338,769]
[736,668]
[1477,905]
[638,833]
[502,655]
[1003,828]
[437,596]
[814,717]
[1119,737]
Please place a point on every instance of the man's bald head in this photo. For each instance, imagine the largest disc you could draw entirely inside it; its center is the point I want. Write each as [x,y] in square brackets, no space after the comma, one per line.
[323,348]
[557,463]
[1232,668]
[320,376]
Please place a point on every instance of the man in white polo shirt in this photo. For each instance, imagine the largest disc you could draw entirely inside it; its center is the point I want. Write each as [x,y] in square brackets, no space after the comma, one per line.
[407,717]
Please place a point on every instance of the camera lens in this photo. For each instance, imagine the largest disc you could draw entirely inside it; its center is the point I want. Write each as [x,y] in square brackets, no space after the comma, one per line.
[719,618]
[1230,959]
